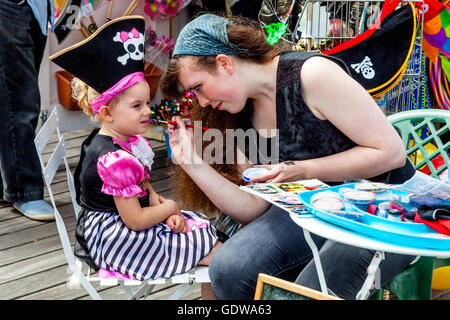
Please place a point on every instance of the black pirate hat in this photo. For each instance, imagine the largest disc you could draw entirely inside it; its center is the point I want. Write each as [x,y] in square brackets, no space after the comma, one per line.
[380,61]
[111,54]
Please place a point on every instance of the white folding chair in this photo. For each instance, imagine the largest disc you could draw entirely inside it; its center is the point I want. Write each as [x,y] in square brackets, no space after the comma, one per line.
[144,288]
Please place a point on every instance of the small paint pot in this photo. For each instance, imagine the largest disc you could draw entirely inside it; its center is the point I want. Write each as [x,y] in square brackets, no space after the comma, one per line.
[388,196]
[372,209]
[327,201]
[348,181]
[394,214]
[410,215]
[383,208]
[251,173]
[344,190]
[371,187]
[359,197]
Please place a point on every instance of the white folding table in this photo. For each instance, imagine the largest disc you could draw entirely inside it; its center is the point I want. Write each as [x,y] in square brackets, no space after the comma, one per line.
[310,223]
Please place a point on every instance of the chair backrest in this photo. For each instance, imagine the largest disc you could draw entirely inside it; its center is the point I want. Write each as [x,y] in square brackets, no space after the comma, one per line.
[49,169]
[426,136]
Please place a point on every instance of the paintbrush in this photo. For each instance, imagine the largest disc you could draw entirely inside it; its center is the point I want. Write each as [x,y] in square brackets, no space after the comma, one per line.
[174,123]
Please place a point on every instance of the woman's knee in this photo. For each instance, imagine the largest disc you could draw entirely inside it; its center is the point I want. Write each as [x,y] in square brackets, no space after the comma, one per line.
[231,277]
[224,265]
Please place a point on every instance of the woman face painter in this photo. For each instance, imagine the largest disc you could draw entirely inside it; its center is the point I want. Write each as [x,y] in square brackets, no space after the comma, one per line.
[328,128]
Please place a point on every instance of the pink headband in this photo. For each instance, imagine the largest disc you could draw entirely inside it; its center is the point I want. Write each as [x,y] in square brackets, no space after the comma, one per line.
[118,88]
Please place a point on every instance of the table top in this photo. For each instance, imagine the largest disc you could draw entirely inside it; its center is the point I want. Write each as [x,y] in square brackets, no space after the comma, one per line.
[333,232]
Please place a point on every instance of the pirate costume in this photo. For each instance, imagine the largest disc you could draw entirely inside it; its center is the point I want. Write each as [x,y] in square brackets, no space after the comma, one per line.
[110,61]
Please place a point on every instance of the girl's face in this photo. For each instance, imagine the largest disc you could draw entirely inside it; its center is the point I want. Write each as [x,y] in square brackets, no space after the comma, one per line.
[131,111]
[219,88]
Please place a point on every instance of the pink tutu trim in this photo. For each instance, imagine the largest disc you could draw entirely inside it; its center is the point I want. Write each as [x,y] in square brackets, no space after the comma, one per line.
[193,224]
[118,88]
[106,274]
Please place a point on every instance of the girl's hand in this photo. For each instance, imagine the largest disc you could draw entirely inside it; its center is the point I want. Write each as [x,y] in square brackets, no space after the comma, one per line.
[154,199]
[173,206]
[181,142]
[287,171]
[176,223]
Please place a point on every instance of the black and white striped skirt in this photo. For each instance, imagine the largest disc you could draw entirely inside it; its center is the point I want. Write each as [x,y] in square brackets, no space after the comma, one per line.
[153,253]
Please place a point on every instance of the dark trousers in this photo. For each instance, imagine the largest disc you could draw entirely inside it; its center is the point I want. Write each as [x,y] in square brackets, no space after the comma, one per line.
[275,245]
[22,47]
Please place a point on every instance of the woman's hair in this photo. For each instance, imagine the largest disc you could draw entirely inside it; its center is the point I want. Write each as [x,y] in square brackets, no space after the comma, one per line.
[84,95]
[243,33]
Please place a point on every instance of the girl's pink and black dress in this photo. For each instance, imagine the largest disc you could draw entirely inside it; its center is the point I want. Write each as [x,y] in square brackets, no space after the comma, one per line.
[108,168]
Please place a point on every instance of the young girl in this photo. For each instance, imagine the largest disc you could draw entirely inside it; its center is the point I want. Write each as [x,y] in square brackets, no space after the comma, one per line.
[125,226]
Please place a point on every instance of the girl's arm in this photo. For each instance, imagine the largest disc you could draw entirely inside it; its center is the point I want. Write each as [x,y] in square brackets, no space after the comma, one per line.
[331,94]
[154,197]
[137,218]
[228,197]
[121,174]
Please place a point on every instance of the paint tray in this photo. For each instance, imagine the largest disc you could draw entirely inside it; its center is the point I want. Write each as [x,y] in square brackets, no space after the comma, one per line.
[414,235]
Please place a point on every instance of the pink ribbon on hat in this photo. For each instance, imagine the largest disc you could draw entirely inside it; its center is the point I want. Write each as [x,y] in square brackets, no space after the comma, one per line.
[124,36]
[118,88]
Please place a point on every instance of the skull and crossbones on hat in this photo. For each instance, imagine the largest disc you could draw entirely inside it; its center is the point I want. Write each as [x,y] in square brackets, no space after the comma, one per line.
[133,43]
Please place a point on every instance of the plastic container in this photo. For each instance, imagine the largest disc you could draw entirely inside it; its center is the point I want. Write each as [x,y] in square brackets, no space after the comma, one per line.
[332,202]
[394,214]
[417,201]
[327,201]
[342,191]
[410,215]
[387,196]
[359,197]
[383,208]
[371,187]
[253,173]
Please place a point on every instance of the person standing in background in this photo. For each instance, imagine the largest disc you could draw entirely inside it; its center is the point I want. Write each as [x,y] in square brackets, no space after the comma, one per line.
[23,36]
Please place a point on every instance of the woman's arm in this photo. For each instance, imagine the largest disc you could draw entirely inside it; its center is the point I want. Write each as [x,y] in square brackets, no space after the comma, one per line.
[137,218]
[331,94]
[228,197]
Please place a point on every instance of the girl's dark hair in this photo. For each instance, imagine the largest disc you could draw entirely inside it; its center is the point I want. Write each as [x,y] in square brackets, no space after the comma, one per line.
[243,33]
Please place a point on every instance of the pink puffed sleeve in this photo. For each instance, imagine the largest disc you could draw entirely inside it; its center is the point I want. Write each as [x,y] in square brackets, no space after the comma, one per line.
[121,174]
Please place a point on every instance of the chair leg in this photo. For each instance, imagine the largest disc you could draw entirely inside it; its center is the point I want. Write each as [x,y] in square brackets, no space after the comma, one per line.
[142,292]
[180,291]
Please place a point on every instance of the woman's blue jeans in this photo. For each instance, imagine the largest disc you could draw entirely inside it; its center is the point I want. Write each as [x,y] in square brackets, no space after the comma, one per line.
[22,46]
[275,245]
